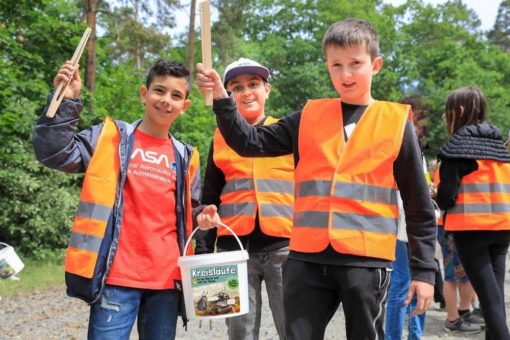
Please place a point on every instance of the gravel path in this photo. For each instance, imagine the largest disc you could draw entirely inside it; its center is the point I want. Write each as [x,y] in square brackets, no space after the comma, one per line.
[50,314]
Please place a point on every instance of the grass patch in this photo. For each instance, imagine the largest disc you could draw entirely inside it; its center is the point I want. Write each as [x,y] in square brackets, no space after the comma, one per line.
[37,274]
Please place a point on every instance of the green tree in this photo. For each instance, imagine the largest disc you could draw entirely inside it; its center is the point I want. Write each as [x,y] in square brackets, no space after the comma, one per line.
[134,34]
[228,43]
[438,49]
[500,33]
[36,203]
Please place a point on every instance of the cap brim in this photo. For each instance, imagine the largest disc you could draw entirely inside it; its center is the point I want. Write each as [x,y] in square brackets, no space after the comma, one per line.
[260,71]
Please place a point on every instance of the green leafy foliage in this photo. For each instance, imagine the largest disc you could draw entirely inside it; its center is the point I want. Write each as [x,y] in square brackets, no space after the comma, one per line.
[500,34]
[36,204]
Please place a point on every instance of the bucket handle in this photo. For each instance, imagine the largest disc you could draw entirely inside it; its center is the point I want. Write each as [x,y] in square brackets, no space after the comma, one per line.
[220,224]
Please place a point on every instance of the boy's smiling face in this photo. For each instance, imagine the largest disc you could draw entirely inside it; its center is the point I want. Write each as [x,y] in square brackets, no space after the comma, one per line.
[164,100]
[250,93]
[351,69]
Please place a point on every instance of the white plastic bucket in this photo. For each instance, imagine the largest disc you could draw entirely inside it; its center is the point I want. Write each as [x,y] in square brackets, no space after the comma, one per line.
[10,263]
[215,285]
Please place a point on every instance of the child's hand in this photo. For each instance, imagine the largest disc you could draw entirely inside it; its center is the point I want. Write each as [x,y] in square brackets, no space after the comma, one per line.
[433,190]
[424,294]
[209,80]
[208,218]
[67,73]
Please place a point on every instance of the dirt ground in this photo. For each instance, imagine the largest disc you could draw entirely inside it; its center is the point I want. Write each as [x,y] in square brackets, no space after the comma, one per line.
[50,314]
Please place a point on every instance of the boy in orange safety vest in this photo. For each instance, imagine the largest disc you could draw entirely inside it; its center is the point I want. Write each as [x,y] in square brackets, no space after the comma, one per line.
[135,208]
[255,197]
[351,154]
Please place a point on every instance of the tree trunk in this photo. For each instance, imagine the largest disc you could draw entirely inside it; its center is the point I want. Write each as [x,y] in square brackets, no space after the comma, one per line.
[138,58]
[191,37]
[90,71]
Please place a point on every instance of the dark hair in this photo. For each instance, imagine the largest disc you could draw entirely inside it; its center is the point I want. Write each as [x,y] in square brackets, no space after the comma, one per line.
[464,106]
[169,68]
[352,32]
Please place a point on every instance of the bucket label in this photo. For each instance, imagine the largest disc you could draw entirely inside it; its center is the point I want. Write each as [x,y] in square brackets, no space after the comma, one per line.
[6,270]
[215,290]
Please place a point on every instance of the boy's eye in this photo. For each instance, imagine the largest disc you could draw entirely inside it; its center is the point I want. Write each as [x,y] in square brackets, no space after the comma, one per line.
[237,88]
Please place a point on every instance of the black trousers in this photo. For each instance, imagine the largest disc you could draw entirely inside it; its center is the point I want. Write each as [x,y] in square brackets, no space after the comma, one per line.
[312,293]
[483,256]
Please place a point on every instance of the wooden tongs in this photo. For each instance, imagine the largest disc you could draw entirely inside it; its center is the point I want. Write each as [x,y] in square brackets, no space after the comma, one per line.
[205,36]
[62,86]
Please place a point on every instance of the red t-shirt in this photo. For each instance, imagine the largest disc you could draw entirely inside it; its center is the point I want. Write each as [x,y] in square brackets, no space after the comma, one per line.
[148,250]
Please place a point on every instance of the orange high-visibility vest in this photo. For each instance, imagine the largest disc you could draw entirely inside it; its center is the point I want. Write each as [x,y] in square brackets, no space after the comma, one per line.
[483,201]
[194,167]
[97,199]
[96,204]
[255,185]
[346,193]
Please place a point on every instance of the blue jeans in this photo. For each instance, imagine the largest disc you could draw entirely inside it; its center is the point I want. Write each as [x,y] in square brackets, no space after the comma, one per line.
[113,316]
[396,310]
[265,266]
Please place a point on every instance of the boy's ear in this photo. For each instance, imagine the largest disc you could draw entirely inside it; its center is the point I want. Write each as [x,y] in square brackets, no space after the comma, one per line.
[377,65]
[143,93]
[186,105]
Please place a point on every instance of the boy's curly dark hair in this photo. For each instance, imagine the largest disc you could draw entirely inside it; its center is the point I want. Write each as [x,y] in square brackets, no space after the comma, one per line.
[170,68]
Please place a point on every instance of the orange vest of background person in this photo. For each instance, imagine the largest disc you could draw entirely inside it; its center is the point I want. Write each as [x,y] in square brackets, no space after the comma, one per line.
[194,166]
[346,193]
[483,200]
[255,185]
[96,203]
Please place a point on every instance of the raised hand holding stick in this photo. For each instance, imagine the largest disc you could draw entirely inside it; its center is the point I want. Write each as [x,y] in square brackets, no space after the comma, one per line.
[62,86]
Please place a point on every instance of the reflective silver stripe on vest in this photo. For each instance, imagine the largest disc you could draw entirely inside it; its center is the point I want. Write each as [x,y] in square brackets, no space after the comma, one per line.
[276,210]
[347,221]
[479,208]
[275,185]
[237,184]
[357,191]
[94,211]
[351,221]
[313,188]
[313,219]
[85,242]
[233,209]
[364,192]
[484,187]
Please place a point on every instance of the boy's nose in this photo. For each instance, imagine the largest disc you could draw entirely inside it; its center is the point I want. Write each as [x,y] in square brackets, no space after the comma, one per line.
[245,90]
[165,99]
[346,73]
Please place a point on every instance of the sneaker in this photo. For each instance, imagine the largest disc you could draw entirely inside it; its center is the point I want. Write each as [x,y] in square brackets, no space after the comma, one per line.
[475,317]
[478,311]
[461,326]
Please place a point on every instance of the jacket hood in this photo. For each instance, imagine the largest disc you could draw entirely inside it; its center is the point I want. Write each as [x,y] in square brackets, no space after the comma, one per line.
[478,141]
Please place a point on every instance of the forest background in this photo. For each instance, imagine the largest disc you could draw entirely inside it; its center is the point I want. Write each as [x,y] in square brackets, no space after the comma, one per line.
[428,51]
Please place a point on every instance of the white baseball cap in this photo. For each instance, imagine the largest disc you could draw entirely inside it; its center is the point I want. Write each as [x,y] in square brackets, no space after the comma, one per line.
[244,66]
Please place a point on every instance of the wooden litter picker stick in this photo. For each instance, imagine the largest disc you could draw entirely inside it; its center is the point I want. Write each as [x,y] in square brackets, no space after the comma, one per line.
[205,35]
[62,86]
